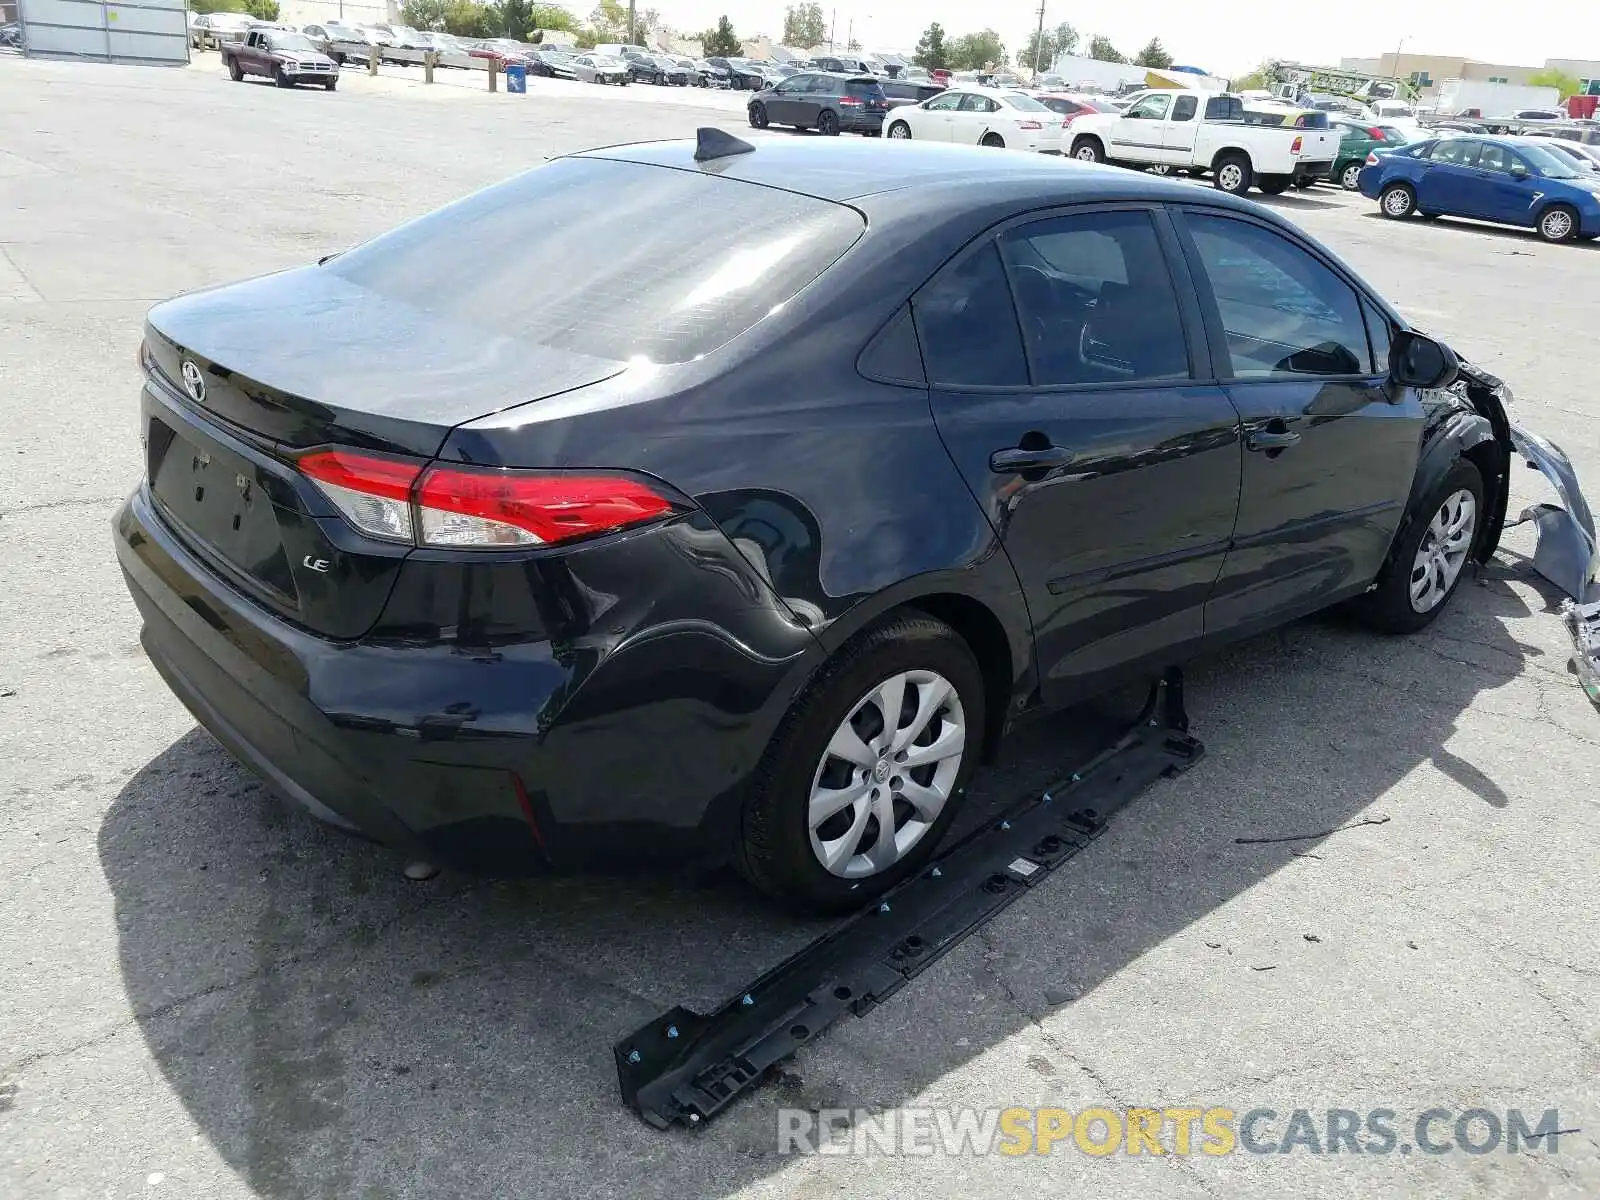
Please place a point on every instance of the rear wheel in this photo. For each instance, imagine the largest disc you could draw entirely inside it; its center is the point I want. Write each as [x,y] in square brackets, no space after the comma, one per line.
[1233,175]
[994,141]
[828,123]
[867,770]
[1397,201]
[758,116]
[900,131]
[1273,185]
[1088,149]
[1350,177]
[1559,223]
[1430,554]
[235,71]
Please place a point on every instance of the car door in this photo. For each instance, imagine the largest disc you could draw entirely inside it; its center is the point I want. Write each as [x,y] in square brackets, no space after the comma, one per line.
[1445,181]
[1178,131]
[783,102]
[1065,358]
[973,119]
[1138,131]
[936,118]
[1330,444]
[1508,196]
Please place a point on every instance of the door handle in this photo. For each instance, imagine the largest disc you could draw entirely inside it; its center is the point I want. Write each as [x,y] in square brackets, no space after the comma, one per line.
[1271,439]
[1015,460]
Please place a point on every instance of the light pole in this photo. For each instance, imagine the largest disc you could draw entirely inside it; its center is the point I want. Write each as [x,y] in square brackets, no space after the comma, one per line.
[1398,47]
[1038,40]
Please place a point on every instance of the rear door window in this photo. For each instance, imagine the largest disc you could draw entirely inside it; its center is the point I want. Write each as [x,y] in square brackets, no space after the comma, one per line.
[1184,109]
[968,325]
[673,263]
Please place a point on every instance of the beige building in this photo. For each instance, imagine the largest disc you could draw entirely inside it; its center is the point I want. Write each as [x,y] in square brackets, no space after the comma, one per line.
[1428,71]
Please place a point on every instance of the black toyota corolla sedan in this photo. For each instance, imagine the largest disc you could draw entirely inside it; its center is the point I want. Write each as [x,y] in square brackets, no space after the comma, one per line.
[749,540]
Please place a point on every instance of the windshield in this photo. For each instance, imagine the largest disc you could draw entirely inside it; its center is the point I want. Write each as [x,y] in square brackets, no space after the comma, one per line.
[1548,163]
[641,295]
[291,41]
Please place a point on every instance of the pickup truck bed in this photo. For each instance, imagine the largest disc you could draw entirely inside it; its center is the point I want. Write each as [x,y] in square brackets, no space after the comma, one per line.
[1204,133]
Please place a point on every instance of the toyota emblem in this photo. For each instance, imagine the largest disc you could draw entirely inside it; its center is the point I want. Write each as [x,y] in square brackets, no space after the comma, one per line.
[193,382]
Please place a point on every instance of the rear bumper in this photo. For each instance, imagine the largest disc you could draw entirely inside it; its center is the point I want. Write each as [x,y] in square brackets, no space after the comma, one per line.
[571,752]
[850,122]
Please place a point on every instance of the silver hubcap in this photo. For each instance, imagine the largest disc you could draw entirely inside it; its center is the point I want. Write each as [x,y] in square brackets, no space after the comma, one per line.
[1230,177]
[900,132]
[1087,154]
[887,774]
[1443,551]
[1397,202]
[1557,225]
[1352,177]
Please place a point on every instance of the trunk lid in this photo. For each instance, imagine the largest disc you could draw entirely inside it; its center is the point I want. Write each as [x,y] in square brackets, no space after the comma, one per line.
[243,378]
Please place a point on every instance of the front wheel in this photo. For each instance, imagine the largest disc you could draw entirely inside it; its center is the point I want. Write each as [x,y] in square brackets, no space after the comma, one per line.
[1088,150]
[900,131]
[331,84]
[866,772]
[1429,557]
[1559,223]
[279,78]
[1350,177]
[758,116]
[1397,201]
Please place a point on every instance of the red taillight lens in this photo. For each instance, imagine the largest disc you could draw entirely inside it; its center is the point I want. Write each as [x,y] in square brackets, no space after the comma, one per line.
[473,507]
[1029,125]
[397,500]
[849,102]
[1375,132]
[1294,147]
[1372,159]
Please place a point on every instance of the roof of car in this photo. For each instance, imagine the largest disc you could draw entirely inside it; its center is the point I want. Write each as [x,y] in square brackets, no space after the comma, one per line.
[848,170]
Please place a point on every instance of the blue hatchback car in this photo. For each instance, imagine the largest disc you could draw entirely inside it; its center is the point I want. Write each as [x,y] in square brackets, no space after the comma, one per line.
[1512,181]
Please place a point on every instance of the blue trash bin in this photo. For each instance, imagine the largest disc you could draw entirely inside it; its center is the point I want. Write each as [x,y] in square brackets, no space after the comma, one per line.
[516,77]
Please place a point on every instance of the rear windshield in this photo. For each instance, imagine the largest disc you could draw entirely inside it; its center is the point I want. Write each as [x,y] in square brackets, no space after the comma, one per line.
[1224,108]
[870,88]
[667,265]
[1311,120]
[1024,103]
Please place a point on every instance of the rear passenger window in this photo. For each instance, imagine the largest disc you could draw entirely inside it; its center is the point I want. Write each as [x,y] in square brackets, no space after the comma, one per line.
[1096,300]
[968,326]
[1284,314]
[1183,110]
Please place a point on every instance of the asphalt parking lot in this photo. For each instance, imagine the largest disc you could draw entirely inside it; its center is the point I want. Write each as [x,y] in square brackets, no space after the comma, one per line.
[206,994]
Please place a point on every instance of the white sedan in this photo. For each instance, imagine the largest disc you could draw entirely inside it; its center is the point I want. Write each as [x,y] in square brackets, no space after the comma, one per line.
[976,116]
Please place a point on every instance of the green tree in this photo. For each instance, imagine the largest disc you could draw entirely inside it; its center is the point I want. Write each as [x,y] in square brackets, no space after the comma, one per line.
[262,10]
[551,16]
[514,19]
[424,14]
[216,6]
[1063,39]
[609,21]
[721,41]
[1154,54]
[975,51]
[1257,80]
[803,25]
[1567,85]
[932,54]
[467,18]
[1100,47]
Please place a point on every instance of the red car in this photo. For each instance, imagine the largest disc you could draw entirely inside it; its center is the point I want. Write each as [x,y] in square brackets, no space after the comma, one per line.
[505,51]
[1071,105]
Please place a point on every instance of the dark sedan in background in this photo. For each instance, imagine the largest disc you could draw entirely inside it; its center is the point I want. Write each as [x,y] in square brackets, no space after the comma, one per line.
[831,104]
[1510,181]
[657,69]
[753,553]
[552,64]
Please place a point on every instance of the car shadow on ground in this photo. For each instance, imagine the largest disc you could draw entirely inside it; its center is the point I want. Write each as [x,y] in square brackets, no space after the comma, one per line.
[1294,201]
[1510,233]
[335,1030]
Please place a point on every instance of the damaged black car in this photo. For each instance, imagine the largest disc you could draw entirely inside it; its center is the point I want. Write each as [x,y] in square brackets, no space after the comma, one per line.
[755,558]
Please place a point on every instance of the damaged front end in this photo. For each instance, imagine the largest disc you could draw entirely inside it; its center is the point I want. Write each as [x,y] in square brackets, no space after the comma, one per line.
[1566,550]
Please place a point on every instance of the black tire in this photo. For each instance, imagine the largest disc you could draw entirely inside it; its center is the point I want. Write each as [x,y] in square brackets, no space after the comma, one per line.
[758,116]
[994,141]
[900,131]
[1233,174]
[1089,149]
[828,123]
[331,84]
[1273,185]
[1391,205]
[1558,223]
[279,78]
[774,846]
[235,71]
[1388,607]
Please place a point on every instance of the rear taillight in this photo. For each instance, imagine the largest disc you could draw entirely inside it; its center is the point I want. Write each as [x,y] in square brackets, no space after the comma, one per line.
[1294,146]
[849,102]
[1375,132]
[1029,125]
[1372,158]
[399,500]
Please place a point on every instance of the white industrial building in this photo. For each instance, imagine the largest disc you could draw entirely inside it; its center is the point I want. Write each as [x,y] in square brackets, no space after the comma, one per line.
[144,31]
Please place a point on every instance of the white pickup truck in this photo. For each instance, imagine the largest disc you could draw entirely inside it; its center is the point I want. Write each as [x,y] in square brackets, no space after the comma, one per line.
[1202,132]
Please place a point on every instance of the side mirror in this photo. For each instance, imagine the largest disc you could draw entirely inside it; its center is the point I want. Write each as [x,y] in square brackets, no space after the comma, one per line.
[1416,360]
[1518,171]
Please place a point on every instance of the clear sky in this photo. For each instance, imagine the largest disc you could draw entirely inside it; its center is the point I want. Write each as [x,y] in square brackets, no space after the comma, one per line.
[1225,39]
